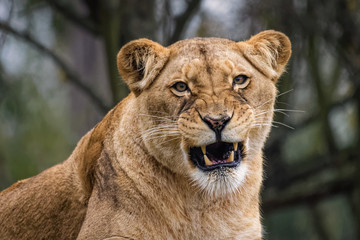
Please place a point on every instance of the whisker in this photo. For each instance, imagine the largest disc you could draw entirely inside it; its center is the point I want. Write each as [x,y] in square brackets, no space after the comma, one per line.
[163,137]
[172,139]
[262,125]
[279,110]
[163,126]
[163,129]
[272,99]
[263,103]
[160,131]
[284,103]
[161,134]
[289,110]
[283,93]
[165,113]
[262,113]
[261,122]
[273,123]
[161,119]
[167,124]
[153,116]
[283,124]
[165,121]
[164,133]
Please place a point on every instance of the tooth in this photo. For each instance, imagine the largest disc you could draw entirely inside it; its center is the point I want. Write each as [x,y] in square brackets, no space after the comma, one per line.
[207,161]
[235,146]
[231,158]
[203,149]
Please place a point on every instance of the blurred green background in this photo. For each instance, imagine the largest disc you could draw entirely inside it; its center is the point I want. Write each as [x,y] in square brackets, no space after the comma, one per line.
[58,78]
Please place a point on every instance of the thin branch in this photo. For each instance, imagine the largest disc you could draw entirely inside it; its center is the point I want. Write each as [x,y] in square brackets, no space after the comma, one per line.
[311,168]
[71,75]
[305,194]
[182,20]
[71,15]
[318,221]
[313,61]
[313,118]
[3,36]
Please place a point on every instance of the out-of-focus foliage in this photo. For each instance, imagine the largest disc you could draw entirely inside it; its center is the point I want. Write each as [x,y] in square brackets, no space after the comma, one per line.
[34,129]
[31,129]
[315,167]
[59,77]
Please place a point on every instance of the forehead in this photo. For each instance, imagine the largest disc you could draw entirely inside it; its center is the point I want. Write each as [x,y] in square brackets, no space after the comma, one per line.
[203,47]
[208,56]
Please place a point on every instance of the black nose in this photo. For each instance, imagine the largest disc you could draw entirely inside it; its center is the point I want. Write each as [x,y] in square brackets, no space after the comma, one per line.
[217,124]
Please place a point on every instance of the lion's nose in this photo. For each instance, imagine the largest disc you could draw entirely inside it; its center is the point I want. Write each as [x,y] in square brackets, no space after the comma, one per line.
[217,124]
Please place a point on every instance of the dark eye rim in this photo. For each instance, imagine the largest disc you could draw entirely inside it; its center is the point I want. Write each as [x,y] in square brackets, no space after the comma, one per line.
[174,86]
[244,79]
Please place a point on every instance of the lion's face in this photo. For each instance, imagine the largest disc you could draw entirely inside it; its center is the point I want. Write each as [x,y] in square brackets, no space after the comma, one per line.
[208,109]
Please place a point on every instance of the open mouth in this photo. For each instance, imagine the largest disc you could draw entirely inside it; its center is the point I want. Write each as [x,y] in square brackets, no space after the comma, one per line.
[216,155]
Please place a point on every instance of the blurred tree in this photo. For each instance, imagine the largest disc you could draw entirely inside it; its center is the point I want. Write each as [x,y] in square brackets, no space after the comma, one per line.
[325,73]
[89,33]
[115,23]
[312,187]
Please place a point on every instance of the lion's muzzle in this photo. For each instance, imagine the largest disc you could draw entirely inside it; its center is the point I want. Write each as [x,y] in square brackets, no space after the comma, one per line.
[216,124]
[217,155]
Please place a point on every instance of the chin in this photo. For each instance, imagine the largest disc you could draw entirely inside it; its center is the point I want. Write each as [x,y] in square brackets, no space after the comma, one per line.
[220,182]
[220,169]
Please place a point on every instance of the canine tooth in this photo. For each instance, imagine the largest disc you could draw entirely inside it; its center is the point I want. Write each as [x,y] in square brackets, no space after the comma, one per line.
[235,146]
[207,161]
[231,158]
[203,149]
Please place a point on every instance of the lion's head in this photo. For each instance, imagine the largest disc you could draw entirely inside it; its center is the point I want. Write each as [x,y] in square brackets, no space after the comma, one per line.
[205,105]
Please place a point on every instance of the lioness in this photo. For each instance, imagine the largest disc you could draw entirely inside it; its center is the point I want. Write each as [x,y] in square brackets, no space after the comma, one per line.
[179,158]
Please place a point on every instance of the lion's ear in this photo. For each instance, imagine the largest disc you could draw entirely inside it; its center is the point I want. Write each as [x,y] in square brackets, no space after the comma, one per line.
[140,61]
[268,51]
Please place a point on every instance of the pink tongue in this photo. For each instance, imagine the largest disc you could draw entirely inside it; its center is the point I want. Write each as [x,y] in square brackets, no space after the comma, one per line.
[215,160]
[219,161]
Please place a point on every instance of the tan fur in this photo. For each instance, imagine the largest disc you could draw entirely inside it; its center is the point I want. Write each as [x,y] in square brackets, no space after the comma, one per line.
[131,178]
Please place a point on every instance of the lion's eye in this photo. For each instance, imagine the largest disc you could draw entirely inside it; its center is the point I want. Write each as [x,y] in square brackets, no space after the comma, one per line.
[241,80]
[180,87]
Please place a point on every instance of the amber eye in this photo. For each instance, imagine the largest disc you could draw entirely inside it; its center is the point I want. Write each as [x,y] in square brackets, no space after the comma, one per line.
[240,80]
[180,87]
